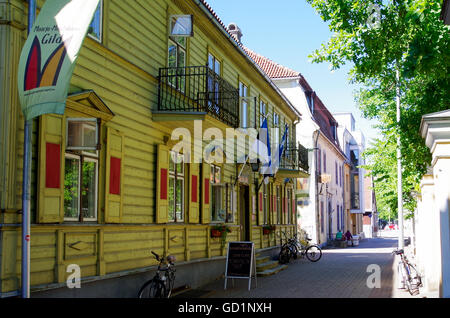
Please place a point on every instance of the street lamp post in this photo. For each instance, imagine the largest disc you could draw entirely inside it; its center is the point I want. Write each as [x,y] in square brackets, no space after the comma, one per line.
[401,241]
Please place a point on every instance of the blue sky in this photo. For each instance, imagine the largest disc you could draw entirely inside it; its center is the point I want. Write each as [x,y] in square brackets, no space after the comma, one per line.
[287,31]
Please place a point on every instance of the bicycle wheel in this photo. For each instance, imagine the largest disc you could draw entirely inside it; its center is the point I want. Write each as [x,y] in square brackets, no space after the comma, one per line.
[313,253]
[152,289]
[171,282]
[412,280]
[284,256]
[294,251]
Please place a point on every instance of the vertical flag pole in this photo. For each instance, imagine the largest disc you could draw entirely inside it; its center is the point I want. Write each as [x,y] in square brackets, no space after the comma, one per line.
[26,183]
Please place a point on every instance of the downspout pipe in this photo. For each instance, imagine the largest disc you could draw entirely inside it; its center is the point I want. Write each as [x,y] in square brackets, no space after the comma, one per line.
[26,182]
[316,174]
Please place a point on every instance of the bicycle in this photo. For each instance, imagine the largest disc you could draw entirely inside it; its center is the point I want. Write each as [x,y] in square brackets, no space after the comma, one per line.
[411,276]
[287,251]
[290,249]
[161,285]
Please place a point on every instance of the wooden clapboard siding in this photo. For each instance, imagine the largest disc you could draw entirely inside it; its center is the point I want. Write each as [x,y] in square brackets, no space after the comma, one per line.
[123,71]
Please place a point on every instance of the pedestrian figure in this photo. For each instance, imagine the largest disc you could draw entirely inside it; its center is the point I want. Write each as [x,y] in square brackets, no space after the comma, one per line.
[349,236]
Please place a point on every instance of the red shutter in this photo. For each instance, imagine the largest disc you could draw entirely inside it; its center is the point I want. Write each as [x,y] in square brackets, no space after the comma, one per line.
[52,165]
[206,191]
[163,184]
[114,176]
[194,189]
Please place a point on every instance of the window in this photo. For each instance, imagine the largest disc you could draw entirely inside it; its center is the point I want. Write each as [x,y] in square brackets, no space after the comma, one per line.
[213,83]
[265,205]
[321,217]
[278,198]
[262,112]
[177,62]
[319,161]
[95,28]
[354,157]
[181,25]
[289,206]
[81,170]
[354,191]
[176,187]
[216,205]
[324,162]
[243,94]
[276,124]
[336,171]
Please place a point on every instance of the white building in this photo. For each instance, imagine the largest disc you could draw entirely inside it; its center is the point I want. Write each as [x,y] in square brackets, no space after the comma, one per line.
[352,142]
[320,197]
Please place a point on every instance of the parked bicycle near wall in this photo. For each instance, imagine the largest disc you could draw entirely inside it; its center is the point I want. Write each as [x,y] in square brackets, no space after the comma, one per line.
[293,245]
[410,276]
[161,285]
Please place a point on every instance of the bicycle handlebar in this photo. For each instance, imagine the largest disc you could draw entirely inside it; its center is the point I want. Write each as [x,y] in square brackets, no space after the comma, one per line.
[398,252]
[156,255]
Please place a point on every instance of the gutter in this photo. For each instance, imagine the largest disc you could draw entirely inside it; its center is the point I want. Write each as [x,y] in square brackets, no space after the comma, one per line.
[230,37]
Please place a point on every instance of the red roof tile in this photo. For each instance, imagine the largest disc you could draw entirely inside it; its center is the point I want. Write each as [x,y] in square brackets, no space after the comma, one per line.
[271,68]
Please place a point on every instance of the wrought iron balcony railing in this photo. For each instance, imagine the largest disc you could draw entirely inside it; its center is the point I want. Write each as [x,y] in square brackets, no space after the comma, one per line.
[295,158]
[198,89]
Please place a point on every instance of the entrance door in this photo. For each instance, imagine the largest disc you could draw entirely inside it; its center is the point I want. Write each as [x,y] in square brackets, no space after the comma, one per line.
[354,224]
[244,208]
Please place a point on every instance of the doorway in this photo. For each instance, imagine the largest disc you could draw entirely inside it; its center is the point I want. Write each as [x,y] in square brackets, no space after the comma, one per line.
[244,208]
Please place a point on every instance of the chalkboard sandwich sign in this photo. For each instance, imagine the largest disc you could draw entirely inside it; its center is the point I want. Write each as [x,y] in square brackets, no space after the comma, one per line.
[240,261]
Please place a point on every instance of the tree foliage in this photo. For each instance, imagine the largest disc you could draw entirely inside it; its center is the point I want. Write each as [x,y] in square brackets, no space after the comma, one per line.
[380,38]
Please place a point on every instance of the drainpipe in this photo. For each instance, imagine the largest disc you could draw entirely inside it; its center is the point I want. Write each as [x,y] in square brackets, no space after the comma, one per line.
[317,187]
[26,183]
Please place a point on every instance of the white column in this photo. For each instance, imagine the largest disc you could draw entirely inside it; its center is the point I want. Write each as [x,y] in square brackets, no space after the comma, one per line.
[435,128]
[441,170]
[428,236]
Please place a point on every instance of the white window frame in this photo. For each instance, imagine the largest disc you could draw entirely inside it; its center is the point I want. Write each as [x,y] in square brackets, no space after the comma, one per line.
[78,120]
[89,157]
[219,200]
[190,34]
[78,157]
[100,39]
[244,100]
[175,175]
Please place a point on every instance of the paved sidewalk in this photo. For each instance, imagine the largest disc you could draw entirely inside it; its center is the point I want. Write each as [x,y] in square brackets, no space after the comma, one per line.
[340,273]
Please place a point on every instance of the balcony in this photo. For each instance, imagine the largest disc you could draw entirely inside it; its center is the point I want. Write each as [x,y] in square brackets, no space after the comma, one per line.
[196,92]
[294,162]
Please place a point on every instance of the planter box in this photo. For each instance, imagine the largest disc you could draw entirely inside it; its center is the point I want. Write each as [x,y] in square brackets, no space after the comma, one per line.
[216,233]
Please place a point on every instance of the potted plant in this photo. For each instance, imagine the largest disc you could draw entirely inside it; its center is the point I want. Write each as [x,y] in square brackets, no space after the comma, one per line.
[267,229]
[220,230]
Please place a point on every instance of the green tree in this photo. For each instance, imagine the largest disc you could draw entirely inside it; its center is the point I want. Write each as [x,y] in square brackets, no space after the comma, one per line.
[380,38]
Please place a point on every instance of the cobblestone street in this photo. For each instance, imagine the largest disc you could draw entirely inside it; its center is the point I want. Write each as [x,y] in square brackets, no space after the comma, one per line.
[340,273]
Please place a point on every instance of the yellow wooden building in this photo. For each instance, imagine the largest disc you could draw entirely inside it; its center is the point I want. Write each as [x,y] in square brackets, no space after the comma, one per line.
[107,186]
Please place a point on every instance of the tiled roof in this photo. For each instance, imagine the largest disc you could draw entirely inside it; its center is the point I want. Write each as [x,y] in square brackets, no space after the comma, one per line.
[272,69]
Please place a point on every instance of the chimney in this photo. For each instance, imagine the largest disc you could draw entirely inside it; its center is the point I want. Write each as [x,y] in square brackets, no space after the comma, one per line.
[235,31]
